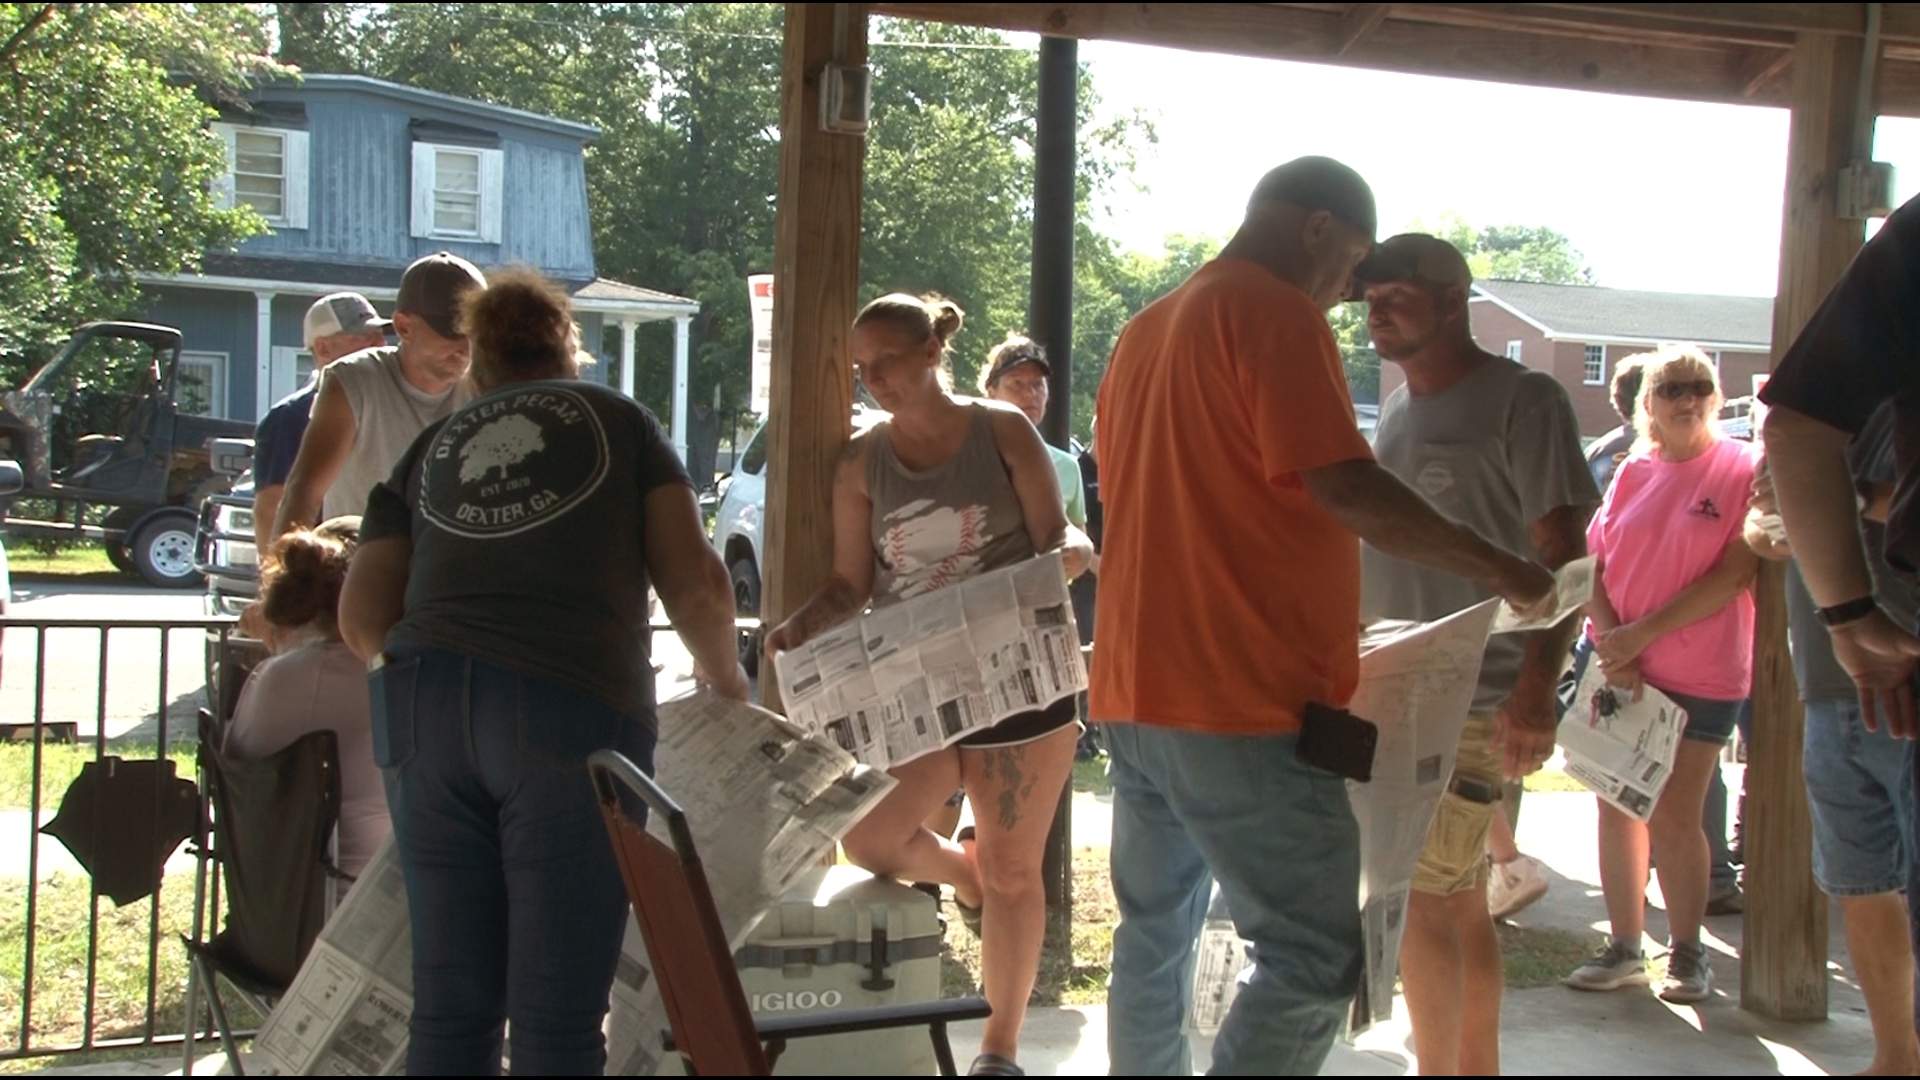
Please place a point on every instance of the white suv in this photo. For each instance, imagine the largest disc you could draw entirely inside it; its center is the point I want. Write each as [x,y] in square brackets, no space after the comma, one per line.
[739,527]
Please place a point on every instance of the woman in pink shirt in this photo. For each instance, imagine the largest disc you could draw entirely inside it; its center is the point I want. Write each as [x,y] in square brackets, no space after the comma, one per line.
[313,682]
[1671,610]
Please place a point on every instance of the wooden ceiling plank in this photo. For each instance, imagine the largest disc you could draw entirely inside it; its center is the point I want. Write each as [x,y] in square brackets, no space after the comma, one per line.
[1358,21]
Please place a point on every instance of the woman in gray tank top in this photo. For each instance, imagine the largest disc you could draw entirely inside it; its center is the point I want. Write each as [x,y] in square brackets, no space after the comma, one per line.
[944,490]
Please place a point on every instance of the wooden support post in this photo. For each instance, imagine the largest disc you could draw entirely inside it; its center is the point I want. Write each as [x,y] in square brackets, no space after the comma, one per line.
[1050,321]
[816,269]
[1783,964]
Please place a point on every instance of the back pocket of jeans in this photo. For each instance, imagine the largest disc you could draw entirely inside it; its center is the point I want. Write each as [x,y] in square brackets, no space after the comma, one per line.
[391,688]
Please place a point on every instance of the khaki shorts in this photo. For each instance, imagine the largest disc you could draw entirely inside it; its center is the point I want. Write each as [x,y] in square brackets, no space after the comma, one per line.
[1455,855]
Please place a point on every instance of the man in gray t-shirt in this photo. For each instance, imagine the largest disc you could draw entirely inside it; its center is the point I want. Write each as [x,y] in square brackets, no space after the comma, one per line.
[373,404]
[1494,446]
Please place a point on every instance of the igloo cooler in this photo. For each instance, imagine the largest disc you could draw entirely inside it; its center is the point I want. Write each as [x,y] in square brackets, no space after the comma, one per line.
[844,939]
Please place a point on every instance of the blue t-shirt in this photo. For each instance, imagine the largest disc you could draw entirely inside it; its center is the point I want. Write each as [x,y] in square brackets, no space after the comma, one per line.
[276,441]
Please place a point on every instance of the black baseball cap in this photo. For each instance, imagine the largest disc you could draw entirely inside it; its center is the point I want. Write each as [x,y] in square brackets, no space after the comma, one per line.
[1014,353]
[432,287]
[1414,257]
[1320,183]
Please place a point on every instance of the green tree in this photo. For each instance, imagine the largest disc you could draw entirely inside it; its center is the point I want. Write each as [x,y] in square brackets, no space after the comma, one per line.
[681,180]
[1512,252]
[107,165]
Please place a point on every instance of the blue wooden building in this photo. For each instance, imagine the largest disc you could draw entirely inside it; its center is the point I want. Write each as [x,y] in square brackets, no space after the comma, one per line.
[357,178]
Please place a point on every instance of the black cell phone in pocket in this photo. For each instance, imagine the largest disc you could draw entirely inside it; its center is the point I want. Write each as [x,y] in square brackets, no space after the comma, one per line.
[1337,741]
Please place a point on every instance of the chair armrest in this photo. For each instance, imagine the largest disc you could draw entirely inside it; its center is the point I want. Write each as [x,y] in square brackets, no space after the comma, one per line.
[806,1026]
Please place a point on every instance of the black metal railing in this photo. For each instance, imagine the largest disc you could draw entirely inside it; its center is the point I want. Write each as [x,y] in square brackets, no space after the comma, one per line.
[82,978]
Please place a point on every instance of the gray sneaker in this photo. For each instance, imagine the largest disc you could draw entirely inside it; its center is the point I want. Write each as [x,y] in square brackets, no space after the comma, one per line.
[1611,968]
[1689,977]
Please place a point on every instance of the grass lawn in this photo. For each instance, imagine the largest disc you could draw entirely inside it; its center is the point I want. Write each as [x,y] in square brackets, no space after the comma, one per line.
[1091,777]
[85,562]
[60,963]
[59,764]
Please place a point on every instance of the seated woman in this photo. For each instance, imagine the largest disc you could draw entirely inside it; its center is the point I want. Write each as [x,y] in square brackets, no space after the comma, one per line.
[313,682]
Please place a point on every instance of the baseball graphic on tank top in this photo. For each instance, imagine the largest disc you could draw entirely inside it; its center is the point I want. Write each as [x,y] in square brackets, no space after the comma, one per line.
[512,462]
[930,546]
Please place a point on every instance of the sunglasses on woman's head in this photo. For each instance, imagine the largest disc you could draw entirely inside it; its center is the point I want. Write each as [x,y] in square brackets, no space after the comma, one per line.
[1674,391]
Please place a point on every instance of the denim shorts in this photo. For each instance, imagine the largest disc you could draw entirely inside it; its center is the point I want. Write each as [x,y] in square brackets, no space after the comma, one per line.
[1708,721]
[1860,788]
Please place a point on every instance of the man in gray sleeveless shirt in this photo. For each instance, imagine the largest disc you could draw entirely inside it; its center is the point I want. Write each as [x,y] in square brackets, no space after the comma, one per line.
[373,404]
[1494,446]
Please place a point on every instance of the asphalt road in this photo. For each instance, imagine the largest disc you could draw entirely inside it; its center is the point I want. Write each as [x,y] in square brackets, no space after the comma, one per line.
[129,704]
[133,692]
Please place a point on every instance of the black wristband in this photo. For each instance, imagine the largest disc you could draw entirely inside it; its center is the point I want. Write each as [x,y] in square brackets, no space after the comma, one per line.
[1849,612]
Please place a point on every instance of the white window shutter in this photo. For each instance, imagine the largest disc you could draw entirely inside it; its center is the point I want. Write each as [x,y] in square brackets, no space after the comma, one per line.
[492,188]
[296,166]
[422,189]
[223,187]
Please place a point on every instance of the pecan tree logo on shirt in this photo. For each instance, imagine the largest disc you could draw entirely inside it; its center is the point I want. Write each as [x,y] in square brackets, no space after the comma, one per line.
[513,461]
[1706,509]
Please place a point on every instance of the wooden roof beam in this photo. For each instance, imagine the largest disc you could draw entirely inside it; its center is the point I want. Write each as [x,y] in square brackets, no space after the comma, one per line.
[1761,67]
[1628,29]
[1710,72]
[1358,21]
[1898,22]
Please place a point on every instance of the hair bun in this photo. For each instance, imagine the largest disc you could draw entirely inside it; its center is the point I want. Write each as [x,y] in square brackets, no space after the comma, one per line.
[304,575]
[945,315]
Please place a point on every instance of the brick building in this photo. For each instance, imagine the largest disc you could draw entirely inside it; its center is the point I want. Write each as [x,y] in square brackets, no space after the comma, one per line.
[1578,332]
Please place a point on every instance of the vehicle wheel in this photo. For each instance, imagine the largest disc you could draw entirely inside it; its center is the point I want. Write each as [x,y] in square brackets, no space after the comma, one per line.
[119,520]
[746,601]
[162,550]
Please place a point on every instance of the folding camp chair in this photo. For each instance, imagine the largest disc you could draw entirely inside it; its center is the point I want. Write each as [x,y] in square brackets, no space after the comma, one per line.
[268,832]
[712,1028]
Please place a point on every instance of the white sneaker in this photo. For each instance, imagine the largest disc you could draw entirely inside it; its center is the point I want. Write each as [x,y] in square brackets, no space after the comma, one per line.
[1610,969]
[1512,886]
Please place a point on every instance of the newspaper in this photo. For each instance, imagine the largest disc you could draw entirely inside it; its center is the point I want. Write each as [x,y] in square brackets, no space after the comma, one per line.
[1218,965]
[1620,748]
[921,674]
[1572,588]
[765,801]
[1416,685]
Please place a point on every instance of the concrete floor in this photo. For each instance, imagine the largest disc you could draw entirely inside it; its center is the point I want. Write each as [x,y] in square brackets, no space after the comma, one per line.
[1546,1030]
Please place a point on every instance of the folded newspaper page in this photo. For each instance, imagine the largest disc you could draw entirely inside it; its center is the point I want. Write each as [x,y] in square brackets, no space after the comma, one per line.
[1620,748]
[1416,685]
[1572,588]
[765,800]
[911,678]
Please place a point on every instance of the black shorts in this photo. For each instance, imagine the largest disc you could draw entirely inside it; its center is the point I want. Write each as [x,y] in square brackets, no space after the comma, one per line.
[1025,727]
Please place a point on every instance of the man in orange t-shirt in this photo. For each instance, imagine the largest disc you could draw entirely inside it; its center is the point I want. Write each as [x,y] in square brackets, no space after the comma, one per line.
[1235,484]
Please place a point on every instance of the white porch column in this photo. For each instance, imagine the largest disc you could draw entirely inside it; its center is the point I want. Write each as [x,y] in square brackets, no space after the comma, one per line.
[262,354]
[626,357]
[680,325]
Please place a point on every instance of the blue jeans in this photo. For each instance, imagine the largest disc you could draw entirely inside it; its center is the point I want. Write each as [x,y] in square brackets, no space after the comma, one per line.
[1281,840]
[1860,788]
[516,899]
